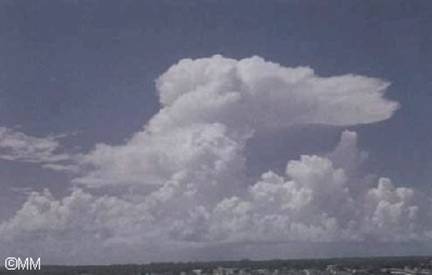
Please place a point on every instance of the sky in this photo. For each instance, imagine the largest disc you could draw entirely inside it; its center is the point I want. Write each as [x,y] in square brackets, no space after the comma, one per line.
[138,131]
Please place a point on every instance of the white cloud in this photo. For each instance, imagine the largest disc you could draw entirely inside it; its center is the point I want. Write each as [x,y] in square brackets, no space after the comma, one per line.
[18,146]
[242,97]
[182,181]
[392,211]
[258,94]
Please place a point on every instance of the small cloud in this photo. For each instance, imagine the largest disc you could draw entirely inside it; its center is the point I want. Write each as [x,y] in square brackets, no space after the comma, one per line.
[17,146]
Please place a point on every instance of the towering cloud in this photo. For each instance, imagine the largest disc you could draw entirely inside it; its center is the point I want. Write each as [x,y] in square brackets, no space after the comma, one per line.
[182,182]
[212,106]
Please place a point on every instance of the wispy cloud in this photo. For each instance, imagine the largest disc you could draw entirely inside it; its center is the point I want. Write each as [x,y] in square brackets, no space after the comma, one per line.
[46,151]
[17,146]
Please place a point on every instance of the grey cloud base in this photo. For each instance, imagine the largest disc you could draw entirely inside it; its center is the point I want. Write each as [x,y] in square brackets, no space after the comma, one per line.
[181,182]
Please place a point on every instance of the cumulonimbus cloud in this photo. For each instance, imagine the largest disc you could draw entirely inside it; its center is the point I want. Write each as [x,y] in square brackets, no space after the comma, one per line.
[181,181]
[212,106]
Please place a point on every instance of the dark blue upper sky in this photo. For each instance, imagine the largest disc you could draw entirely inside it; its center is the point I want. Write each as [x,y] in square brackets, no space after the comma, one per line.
[88,67]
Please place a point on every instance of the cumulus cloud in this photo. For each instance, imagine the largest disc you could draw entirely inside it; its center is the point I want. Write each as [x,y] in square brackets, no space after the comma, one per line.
[182,181]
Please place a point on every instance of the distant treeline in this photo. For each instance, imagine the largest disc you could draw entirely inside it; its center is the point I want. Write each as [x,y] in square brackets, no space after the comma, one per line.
[374,263]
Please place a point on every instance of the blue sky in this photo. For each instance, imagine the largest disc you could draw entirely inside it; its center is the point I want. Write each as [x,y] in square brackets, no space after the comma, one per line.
[86,69]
